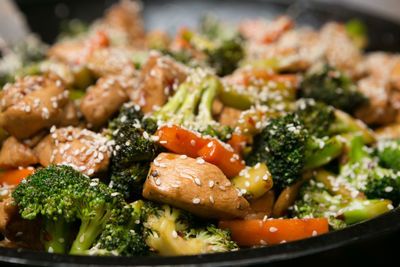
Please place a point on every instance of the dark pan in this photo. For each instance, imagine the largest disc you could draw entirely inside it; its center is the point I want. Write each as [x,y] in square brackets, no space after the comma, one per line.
[367,243]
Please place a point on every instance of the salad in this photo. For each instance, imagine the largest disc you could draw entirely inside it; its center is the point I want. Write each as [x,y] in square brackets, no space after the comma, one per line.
[116,141]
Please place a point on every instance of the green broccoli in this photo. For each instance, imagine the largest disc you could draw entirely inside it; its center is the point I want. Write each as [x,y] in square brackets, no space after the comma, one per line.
[191,106]
[388,153]
[133,150]
[122,239]
[171,231]
[323,120]
[315,201]
[288,149]
[332,87]
[63,195]
[363,172]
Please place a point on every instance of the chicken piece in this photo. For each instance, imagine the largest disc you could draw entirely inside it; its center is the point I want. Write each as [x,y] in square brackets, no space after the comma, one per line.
[341,52]
[391,131]
[379,110]
[33,103]
[102,101]
[14,154]
[159,77]
[193,185]
[111,61]
[261,207]
[125,21]
[379,64]
[68,52]
[85,150]
[229,116]
[263,31]
[395,76]
[16,229]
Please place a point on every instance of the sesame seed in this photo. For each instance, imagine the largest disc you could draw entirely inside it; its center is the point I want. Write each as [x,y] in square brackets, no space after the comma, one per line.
[200,161]
[388,189]
[158,182]
[50,250]
[314,233]
[183,157]
[273,229]
[163,142]
[247,183]
[114,194]
[174,234]
[211,184]
[196,200]
[211,199]
[197,181]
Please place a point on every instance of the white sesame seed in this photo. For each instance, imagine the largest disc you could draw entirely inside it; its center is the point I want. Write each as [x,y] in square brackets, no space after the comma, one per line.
[174,234]
[388,189]
[158,182]
[247,183]
[273,229]
[197,181]
[211,199]
[211,184]
[50,250]
[183,157]
[314,233]
[200,161]
[196,200]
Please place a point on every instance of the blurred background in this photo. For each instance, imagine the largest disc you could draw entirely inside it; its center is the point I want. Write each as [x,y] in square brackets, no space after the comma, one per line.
[49,13]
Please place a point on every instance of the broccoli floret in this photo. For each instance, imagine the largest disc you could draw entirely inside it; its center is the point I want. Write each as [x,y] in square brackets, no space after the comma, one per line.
[133,150]
[316,201]
[332,87]
[129,181]
[60,193]
[324,120]
[363,172]
[388,153]
[191,106]
[122,239]
[171,231]
[288,149]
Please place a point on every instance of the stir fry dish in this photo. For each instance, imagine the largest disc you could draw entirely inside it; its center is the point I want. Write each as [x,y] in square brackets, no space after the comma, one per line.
[117,141]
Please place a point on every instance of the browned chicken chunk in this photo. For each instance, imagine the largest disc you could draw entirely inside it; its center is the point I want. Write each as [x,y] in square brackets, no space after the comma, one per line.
[16,229]
[111,61]
[14,154]
[193,185]
[159,77]
[229,116]
[34,103]
[85,150]
[102,101]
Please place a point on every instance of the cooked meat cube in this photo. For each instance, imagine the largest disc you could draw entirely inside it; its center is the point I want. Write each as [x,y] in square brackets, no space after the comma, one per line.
[340,49]
[111,61]
[85,150]
[33,103]
[102,101]
[124,19]
[68,52]
[229,116]
[159,77]
[14,154]
[379,109]
[16,229]
[193,185]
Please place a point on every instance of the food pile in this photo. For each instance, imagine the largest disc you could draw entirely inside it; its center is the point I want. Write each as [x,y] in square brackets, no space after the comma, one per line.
[120,142]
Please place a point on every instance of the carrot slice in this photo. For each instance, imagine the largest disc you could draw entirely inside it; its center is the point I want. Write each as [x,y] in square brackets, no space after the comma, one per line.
[228,161]
[273,231]
[180,140]
[186,142]
[14,177]
[238,142]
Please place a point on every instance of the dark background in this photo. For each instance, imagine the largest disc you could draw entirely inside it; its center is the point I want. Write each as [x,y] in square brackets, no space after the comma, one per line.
[45,17]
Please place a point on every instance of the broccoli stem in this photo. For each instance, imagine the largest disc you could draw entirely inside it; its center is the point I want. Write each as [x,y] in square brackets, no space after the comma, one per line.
[55,235]
[189,105]
[331,149]
[357,152]
[360,210]
[89,230]
[212,86]
[173,104]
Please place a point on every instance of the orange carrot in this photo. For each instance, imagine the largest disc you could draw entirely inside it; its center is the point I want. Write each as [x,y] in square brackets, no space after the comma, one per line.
[99,40]
[183,141]
[273,231]
[238,142]
[227,160]
[14,177]
[180,140]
